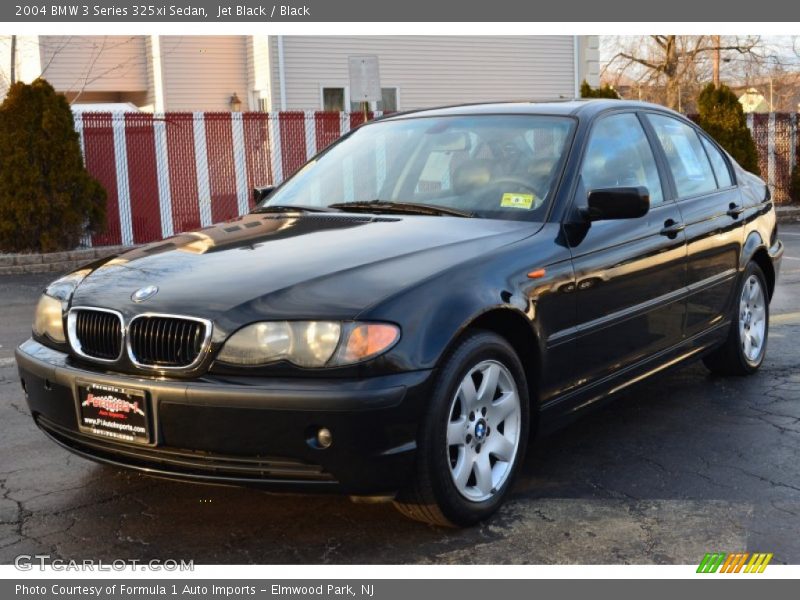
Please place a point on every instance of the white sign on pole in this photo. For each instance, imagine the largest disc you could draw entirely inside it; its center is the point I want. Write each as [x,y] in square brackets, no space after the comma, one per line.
[365,80]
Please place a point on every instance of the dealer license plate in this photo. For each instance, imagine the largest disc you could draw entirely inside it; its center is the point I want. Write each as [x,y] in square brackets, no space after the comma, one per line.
[114,413]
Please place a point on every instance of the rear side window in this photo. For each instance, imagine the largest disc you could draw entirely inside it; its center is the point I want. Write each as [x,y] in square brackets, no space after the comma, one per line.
[619,155]
[687,159]
[718,162]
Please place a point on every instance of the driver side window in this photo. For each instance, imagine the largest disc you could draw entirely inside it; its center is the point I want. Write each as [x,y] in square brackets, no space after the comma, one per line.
[619,155]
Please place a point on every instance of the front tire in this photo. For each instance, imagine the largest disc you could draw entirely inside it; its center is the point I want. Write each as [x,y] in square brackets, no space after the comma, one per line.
[473,436]
[744,350]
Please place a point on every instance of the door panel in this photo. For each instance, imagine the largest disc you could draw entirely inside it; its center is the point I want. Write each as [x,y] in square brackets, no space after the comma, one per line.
[630,274]
[711,209]
[629,293]
[714,244]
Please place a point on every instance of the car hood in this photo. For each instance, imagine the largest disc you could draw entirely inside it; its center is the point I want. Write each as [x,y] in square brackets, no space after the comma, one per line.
[268,266]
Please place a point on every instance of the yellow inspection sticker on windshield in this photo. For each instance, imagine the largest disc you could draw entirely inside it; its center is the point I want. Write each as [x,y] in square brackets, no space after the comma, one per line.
[517,200]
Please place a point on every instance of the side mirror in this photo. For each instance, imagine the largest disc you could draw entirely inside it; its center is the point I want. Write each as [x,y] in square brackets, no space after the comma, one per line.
[617,203]
[262,192]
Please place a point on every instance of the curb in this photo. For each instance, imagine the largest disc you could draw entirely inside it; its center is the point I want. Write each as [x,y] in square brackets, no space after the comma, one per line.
[54,262]
[788,214]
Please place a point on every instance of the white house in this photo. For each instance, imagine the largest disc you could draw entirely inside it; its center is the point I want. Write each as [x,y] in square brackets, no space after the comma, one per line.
[210,73]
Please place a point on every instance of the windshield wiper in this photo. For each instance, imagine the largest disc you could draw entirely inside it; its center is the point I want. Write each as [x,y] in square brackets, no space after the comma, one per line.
[400,207]
[270,208]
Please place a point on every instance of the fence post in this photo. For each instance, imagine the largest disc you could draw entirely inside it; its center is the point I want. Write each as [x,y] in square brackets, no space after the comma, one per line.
[311,134]
[792,141]
[276,153]
[201,159]
[771,152]
[123,186]
[162,172]
[239,163]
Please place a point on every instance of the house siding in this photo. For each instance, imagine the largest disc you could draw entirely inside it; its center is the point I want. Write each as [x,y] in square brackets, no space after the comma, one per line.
[94,63]
[260,84]
[5,61]
[589,69]
[432,70]
[201,72]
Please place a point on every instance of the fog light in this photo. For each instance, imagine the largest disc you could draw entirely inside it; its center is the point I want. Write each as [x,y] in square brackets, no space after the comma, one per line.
[324,438]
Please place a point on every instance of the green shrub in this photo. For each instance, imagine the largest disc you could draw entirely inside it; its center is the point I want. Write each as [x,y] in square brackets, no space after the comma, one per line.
[794,185]
[604,91]
[47,198]
[721,115]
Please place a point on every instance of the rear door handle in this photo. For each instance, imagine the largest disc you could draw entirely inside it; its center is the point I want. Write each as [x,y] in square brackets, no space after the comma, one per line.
[734,210]
[672,228]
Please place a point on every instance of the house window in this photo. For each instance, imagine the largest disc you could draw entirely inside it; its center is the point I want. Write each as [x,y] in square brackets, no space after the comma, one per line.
[333,99]
[388,101]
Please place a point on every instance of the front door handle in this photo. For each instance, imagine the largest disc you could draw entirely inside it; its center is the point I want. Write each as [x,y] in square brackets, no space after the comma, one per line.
[672,228]
[734,210]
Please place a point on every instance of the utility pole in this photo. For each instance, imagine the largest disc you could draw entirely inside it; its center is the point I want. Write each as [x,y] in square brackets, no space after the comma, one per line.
[13,70]
[716,41]
[771,105]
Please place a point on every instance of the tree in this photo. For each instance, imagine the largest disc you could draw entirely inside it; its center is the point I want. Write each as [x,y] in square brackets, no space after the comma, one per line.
[720,114]
[48,200]
[604,91]
[672,64]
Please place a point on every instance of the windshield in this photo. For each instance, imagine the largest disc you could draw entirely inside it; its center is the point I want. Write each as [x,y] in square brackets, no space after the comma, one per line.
[490,166]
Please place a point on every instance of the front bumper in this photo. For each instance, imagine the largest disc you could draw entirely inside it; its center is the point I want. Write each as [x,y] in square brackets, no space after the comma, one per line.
[244,430]
[776,256]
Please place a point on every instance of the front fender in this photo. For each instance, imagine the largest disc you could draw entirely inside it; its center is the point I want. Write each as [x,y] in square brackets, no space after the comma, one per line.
[752,244]
[436,312]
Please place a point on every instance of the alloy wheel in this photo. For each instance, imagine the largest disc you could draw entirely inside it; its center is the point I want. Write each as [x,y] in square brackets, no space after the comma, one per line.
[483,430]
[752,319]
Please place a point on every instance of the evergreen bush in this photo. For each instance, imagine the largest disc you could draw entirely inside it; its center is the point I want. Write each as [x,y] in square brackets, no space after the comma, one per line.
[47,198]
[720,114]
[604,91]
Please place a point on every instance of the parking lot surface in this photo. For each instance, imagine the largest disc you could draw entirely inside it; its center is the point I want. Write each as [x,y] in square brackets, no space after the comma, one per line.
[683,464]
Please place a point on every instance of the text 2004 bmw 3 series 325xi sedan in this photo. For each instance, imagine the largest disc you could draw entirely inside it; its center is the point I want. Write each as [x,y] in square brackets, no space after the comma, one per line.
[399,317]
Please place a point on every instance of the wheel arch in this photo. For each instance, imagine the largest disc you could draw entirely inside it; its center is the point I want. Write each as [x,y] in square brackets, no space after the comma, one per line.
[755,250]
[513,326]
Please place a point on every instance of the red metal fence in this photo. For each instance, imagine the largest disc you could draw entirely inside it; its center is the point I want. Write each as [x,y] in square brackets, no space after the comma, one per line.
[169,173]
[172,172]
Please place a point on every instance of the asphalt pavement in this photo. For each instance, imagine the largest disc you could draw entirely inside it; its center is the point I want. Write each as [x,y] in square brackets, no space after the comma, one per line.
[683,464]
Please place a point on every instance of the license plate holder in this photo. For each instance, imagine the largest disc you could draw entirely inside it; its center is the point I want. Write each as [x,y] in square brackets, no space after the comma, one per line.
[114,413]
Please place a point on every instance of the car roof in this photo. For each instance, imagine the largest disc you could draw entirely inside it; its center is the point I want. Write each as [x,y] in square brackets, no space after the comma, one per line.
[575,108]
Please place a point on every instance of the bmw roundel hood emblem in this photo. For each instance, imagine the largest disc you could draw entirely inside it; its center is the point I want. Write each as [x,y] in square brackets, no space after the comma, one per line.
[144,293]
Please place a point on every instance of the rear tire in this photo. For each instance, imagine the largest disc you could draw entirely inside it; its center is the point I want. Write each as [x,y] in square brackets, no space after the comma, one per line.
[746,345]
[473,437]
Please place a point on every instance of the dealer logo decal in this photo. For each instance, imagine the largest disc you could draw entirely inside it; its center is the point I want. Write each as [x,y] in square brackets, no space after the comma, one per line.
[737,562]
[112,404]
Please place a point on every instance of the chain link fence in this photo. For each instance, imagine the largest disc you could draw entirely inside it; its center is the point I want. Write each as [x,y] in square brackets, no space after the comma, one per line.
[775,135]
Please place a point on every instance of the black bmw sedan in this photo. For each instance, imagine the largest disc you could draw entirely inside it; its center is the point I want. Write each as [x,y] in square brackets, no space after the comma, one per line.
[401,316]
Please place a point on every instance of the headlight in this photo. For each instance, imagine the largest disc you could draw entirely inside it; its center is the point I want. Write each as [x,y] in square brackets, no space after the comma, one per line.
[308,343]
[49,319]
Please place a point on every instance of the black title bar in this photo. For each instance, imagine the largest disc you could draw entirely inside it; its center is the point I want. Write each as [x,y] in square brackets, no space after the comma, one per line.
[261,11]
